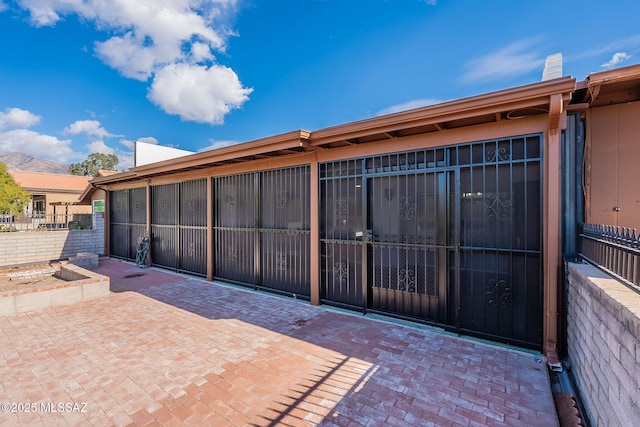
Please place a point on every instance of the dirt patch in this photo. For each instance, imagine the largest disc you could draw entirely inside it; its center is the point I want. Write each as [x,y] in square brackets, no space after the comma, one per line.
[14,279]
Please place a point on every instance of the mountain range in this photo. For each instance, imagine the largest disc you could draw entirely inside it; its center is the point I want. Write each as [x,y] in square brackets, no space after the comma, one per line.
[29,163]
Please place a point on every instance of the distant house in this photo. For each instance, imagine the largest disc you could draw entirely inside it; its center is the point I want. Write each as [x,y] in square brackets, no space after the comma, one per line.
[52,194]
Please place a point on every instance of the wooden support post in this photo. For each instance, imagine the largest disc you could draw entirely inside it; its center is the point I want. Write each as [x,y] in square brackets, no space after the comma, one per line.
[551,223]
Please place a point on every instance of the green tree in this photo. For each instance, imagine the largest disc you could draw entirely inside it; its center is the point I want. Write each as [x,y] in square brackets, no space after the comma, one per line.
[13,198]
[94,163]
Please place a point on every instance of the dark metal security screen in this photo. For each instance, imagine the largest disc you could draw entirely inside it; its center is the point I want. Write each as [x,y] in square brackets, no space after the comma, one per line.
[234,227]
[341,233]
[284,230]
[500,287]
[128,213]
[261,229]
[408,218]
[449,235]
[178,226]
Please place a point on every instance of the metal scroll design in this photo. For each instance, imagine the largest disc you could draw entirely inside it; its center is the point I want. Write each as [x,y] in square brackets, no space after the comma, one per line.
[407,208]
[231,201]
[341,209]
[281,199]
[501,154]
[281,261]
[408,163]
[498,293]
[498,206]
[406,280]
[341,272]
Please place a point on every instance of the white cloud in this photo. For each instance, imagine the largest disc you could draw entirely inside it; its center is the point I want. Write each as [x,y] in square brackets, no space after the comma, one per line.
[629,44]
[155,38]
[125,160]
[89,127]
[18,118]
[431,2]
[131,144]
[198,93]
[127,56]
[148,140]
[219,144]
[616,59]
[410,105]
[510,61]
[100,147]
[3,6]
[201,52]
[30,142]
[128,143]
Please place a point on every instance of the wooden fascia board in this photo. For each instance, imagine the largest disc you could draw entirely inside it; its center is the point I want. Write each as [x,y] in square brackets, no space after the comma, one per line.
[86,194]
[123,176]
[490,104]
[276,143]
[437,121]
[612,76]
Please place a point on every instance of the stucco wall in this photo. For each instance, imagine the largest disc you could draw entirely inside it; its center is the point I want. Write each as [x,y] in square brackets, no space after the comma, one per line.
[38,246]
[603,337]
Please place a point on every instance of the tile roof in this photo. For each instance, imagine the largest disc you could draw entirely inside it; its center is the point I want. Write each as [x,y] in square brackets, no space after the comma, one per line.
[50,182]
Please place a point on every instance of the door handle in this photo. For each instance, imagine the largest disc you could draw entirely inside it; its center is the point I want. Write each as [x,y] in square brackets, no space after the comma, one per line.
[368,236]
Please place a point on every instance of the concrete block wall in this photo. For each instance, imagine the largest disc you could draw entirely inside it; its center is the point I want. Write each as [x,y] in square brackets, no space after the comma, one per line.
[85,285]
[38,246]
[603,338]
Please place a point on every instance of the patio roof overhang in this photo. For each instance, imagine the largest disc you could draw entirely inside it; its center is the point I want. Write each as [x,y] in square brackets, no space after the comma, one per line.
[509,104]
[606,88]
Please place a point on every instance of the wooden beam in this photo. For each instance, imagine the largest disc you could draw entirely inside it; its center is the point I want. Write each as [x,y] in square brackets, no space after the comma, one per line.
[578,107]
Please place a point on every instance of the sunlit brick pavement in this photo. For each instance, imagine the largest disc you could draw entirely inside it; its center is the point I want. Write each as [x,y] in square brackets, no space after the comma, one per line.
[168,350]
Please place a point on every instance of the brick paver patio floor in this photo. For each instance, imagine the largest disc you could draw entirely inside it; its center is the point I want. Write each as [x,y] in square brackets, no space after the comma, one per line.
[165,349]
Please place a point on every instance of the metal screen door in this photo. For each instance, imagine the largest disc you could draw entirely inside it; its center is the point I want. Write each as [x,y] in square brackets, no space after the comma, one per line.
[179,226]
[449,236]
[408,244]
[128,210]
[261,230]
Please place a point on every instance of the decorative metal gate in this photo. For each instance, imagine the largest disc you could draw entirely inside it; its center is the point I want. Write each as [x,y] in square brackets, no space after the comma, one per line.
[499,291]
[179,226]
[128,212]
[261,230]
[449,236]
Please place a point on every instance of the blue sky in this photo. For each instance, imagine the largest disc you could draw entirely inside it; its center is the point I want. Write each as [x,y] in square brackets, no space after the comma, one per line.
[82,76]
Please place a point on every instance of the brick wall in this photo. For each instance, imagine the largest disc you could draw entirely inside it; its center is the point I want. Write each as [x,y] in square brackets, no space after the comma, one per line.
[38,246]
[603,337]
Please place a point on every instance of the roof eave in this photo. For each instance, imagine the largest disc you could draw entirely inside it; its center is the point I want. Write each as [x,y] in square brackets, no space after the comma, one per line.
[494,102]
[290,140]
